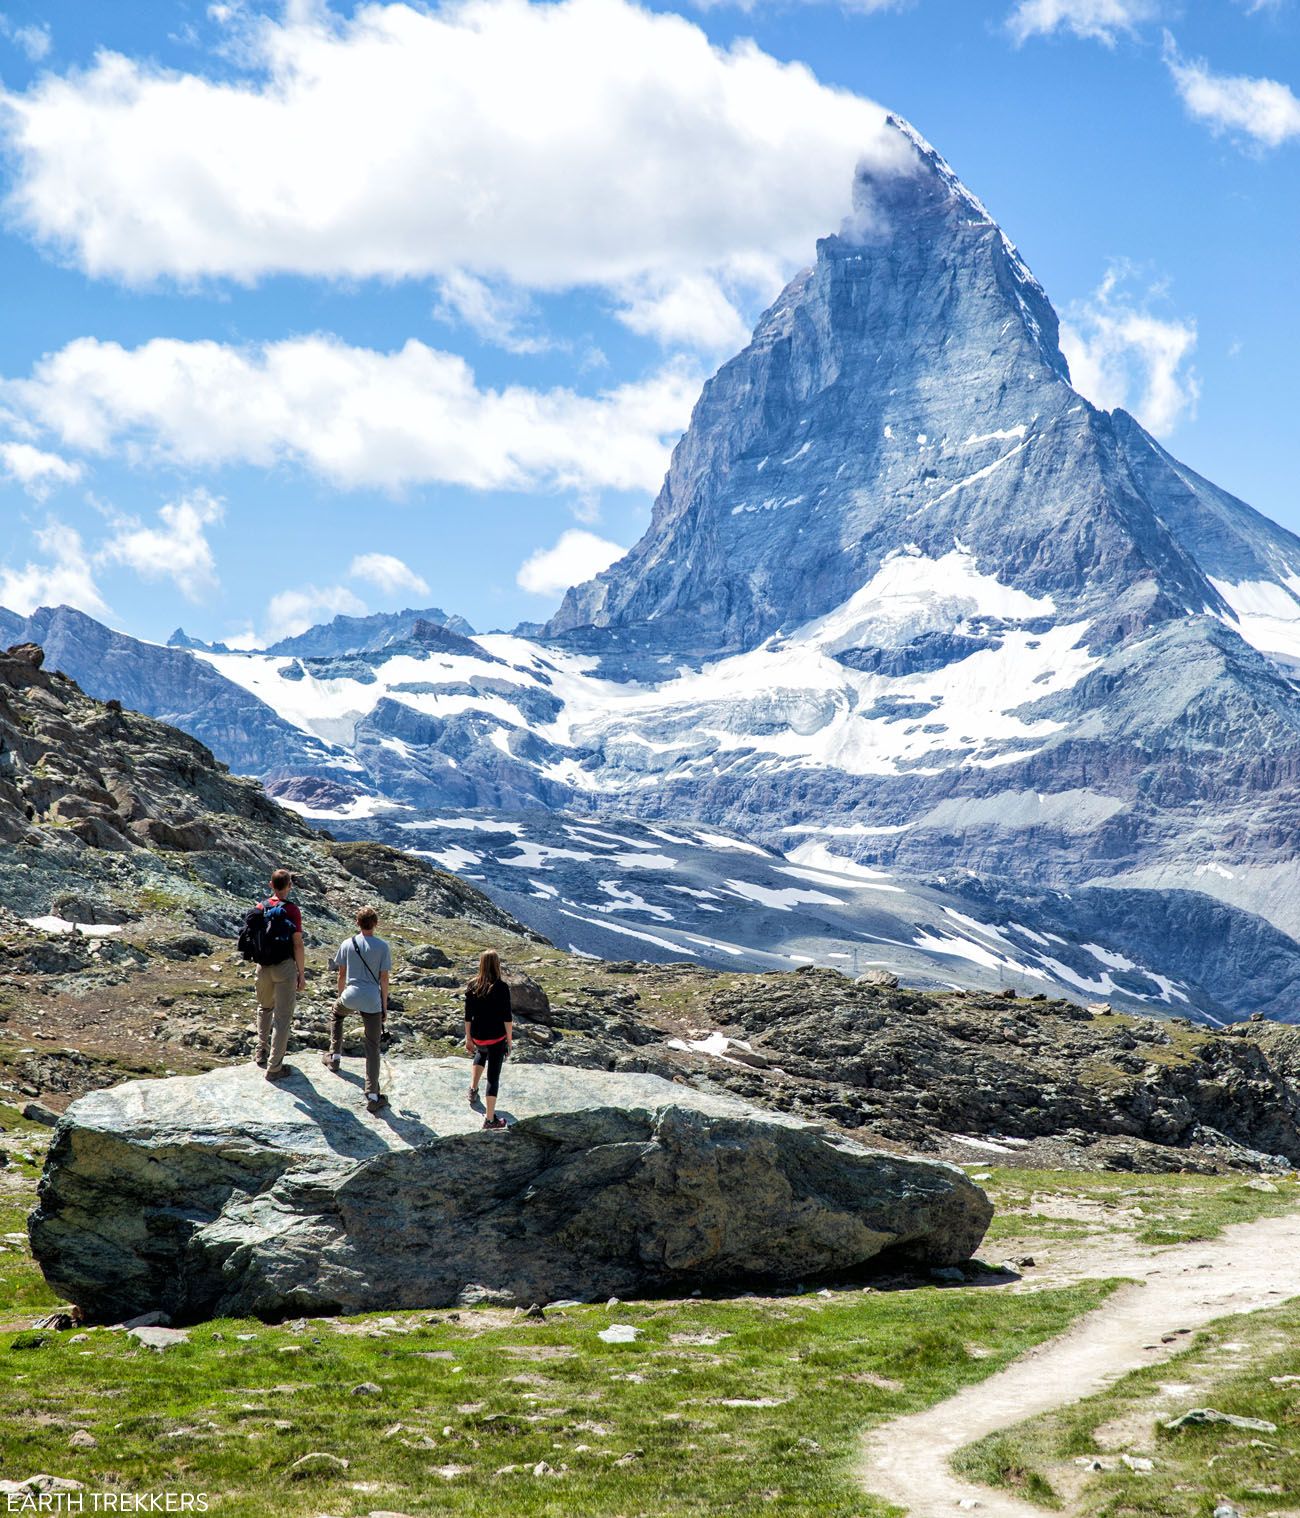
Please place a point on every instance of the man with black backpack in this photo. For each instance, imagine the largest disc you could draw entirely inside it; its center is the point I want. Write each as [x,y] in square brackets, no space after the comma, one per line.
[272,939]
[364,963]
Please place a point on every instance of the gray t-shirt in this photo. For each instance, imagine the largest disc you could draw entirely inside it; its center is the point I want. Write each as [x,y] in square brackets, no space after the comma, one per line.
[361,991]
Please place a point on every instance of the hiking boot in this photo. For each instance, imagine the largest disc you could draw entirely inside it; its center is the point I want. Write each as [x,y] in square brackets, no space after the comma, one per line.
[474,1099]
[260,1059]
[494,1122]
[331,1062]
[375,1101]
[281,1072]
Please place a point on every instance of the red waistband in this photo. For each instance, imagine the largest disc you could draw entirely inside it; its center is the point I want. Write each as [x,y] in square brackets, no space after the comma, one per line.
[486,1043]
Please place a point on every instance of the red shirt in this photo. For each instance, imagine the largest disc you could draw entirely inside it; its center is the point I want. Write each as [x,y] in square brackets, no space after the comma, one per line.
[291,911]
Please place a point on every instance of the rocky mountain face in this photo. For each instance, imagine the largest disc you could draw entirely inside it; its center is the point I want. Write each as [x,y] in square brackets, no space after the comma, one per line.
[664,892]
[107,815]
[905,595]
[121,825]
[174,686]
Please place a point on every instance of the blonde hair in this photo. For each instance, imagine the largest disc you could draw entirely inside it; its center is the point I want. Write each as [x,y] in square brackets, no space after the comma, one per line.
[489,972]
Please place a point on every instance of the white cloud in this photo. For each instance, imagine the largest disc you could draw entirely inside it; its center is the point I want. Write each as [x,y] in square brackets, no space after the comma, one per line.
[357,416]
[861,7]
[576,557]
[178,550]
[546,146]
[497,315]
[65,578]
[690,310]
[35,40]
[1100,20]
[388,574]
[1265,111]
[1120,354]
[35,470]
[294,611]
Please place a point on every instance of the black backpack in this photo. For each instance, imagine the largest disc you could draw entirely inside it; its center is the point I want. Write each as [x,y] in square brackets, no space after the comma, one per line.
[267,935]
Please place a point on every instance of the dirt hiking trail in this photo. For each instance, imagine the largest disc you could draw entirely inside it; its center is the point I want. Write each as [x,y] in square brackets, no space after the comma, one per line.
[1249,1266]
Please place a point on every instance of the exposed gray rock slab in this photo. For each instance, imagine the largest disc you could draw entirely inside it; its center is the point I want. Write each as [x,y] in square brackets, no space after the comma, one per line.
[222,1194]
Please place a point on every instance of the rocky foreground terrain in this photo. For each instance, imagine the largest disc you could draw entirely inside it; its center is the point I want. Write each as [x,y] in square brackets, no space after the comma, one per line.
[225,1196]
[128,828]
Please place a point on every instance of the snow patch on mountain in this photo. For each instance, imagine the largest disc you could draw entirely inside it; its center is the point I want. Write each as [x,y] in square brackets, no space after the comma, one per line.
[911,594]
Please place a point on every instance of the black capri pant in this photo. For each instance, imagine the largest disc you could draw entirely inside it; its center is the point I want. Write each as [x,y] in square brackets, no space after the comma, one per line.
[492,1056]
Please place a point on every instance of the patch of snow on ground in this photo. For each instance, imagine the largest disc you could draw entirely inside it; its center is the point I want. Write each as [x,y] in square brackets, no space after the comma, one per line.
[630,901]
[538,856]
[1109,957]
[781,900]
[978,954]
[1215,869]
[1007,435]
[997,1147]
[466,825]
[721,841]
[359,807]
[625,932]
[1267,616]
[62,925]
[911,594]
[818,859]
[453,857]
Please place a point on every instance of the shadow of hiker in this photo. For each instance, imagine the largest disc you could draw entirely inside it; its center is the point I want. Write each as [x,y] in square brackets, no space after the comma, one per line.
[341,1128]
[407,1125]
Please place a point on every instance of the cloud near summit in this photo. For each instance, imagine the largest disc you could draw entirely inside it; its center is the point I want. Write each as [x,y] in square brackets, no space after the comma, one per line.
[472,138]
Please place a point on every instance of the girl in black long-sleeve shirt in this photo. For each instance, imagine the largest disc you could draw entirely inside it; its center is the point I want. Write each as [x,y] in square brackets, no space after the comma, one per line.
[489,1031]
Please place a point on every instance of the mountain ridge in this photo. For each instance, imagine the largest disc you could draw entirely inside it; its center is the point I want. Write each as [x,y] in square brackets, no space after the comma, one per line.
[904,591]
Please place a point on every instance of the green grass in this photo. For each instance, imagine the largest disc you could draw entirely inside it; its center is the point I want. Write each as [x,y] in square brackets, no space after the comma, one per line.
[1231,1366]
[1152,1209]
[631,1429]
[22,1287]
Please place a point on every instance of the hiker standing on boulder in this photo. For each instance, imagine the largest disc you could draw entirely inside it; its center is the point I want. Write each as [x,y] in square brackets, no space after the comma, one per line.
[364,963]
[272,938]
[489,1031]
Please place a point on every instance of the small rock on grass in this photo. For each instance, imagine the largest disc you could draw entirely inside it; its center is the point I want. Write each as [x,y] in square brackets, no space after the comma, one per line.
[317,1463]
[1138,1463]
[39,1486]
[1202,1415]
[159,1338]
[83,1440]
[367,1389]
[619,1333]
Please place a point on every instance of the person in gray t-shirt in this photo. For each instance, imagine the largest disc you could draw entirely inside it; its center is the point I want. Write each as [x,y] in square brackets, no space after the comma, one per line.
[364,963]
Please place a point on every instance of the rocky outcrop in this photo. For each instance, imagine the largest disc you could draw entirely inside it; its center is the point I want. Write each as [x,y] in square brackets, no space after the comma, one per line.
[223,1194]
[108,814]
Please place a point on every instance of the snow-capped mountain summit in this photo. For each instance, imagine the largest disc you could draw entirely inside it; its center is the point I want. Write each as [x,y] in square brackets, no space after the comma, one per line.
[905,595]
[906,392]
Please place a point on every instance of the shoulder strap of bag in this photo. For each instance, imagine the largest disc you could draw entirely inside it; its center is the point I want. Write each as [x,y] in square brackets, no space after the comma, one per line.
[361,954]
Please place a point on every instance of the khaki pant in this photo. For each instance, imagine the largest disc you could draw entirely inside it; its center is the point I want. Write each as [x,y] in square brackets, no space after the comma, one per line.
[372,1024]
[277,994]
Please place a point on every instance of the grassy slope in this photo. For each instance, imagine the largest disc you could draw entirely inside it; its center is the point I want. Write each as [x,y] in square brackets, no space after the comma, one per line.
[1043,1206]
[1248,1366]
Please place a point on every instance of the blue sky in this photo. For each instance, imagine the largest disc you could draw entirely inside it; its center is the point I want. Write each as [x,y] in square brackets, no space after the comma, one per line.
[310,309]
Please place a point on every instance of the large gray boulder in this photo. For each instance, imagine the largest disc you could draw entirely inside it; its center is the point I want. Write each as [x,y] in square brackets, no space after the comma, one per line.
[221,1194]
